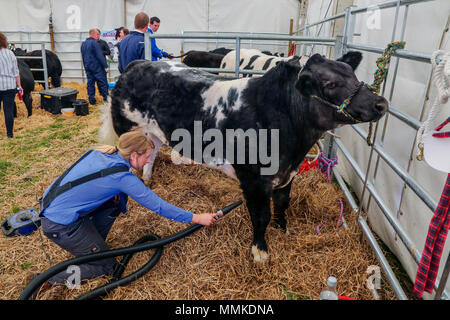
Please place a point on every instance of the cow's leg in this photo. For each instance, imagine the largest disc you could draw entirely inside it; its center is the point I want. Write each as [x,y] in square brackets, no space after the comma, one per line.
[28,103]
[56,81]
[257,196]
[281,198]
[148,168]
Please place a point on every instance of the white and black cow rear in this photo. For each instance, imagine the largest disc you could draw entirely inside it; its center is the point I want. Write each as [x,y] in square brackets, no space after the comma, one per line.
[166,98]
[252,59]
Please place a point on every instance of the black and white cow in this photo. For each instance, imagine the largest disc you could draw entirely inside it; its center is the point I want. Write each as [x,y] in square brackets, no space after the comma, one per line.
[222,50]
[166,99]
[253,59]
[276,54]
[54,67]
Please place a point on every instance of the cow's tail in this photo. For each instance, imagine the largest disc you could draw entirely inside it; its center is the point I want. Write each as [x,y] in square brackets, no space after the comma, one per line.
[183,55]
[106,133]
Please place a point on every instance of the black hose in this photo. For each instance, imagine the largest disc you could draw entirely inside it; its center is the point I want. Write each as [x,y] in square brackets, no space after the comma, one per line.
[127,252]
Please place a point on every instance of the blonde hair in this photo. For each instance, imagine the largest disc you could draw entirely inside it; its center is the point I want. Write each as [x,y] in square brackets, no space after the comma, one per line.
[129,142]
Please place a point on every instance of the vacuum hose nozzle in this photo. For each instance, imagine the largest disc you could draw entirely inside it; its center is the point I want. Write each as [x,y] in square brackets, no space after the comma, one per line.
[228,208]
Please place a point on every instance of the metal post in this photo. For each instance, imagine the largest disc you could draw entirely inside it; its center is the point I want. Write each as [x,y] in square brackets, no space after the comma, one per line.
[81,59]
[349,28]
[386,118]
[238,56]
[217,40]
[44,65]
[30,46]
[147,46]
[182,41]
[305,33]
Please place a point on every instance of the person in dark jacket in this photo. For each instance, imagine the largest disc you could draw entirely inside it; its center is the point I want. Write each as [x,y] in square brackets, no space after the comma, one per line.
[95,66]
[132,46]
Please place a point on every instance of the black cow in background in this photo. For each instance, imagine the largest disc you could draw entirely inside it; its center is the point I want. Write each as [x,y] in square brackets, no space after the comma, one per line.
[27,82]
[222,51]
[201,59]
[54,67]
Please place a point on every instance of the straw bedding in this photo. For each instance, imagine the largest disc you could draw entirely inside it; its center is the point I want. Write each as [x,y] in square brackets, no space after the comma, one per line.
[214,262]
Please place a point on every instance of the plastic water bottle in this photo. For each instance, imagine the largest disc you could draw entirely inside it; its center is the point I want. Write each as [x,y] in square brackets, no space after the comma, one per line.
[329,292]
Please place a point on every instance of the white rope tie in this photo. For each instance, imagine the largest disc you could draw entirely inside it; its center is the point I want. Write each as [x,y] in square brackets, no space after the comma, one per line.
[441,81]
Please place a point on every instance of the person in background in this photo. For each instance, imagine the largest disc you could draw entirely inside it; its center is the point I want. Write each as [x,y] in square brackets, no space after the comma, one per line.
[157,53]
[9,83]
[121,33]
[79,219]
[132,46]
[104,46]
[95,66]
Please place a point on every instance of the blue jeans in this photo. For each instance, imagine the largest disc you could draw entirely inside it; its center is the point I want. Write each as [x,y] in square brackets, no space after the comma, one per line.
[84,236]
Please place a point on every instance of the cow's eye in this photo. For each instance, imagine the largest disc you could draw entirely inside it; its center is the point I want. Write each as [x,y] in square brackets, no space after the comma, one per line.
[330,85]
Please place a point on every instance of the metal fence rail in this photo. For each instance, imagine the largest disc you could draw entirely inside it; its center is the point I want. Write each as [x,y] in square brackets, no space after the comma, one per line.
[42,57]
[113,65]
[219,33]
[237,40]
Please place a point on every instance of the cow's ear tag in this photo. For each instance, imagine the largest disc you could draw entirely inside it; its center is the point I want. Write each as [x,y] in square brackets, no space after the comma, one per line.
[436,152]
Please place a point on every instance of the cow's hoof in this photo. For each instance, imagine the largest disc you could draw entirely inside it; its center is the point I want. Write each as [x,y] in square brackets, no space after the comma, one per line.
[280,225]
[259,256]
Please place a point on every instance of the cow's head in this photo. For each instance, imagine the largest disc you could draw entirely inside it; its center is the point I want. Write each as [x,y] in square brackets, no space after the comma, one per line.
[19,51]
[328,83]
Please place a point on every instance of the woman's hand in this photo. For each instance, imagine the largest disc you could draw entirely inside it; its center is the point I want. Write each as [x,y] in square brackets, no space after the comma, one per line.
[206,219]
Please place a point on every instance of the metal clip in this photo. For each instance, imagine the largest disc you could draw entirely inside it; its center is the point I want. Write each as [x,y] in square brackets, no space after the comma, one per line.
[420,153]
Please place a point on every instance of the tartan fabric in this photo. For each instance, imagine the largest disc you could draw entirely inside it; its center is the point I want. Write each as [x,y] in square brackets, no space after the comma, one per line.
[442,134]
[434,244]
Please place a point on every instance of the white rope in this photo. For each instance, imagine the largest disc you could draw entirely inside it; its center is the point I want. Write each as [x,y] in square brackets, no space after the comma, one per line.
[441,81]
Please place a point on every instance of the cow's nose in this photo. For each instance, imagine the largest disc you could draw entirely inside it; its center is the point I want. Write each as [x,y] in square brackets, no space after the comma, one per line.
[382,105]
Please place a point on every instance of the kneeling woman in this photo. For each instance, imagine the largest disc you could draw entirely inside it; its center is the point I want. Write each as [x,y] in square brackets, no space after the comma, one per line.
[80,207]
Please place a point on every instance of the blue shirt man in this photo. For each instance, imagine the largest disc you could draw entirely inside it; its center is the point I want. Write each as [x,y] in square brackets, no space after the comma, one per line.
[156,52]
[131,48]
[95,66]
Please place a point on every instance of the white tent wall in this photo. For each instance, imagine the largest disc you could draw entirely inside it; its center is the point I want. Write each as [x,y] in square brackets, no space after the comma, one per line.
[424,29]
[70,17]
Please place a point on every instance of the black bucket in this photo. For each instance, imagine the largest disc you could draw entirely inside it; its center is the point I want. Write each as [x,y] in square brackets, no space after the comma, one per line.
[81,107]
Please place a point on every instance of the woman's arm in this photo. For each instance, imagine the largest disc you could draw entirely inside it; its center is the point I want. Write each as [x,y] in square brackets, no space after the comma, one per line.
[18,84]
[136,189]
